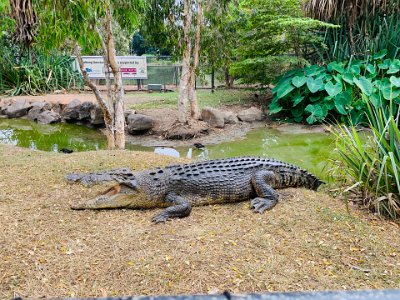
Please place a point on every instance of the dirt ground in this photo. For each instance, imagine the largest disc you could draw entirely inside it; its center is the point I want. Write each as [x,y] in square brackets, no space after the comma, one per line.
[307,242]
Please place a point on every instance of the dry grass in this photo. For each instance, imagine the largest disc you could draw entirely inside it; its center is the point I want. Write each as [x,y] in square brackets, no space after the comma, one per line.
[307,242]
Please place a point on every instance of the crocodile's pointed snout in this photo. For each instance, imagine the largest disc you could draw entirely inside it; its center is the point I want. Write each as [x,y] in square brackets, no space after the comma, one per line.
[117,196]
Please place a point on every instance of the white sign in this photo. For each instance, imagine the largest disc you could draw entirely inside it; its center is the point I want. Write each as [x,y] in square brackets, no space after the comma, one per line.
[131,67]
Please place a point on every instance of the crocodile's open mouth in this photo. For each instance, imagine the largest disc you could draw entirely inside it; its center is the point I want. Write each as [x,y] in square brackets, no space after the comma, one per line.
[118,196]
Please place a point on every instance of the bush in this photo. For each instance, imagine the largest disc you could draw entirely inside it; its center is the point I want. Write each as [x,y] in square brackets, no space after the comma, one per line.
[316,93]
[372,163]
[42,74]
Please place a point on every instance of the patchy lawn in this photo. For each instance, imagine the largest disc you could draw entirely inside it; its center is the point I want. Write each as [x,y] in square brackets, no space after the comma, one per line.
[307,242]
[205,98]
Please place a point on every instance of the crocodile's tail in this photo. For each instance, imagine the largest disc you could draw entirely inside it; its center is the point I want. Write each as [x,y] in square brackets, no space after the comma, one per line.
[293,176]
[312,182]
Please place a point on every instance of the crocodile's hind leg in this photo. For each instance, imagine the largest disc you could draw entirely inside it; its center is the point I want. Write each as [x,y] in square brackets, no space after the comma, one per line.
[267,196]
[180,208]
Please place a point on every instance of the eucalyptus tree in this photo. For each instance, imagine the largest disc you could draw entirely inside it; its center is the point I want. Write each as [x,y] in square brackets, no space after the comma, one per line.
[178,25]
[86,26]
[221,39]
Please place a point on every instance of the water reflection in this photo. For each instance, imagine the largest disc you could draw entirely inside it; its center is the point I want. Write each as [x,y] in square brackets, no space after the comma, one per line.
[167,151]
[308,150]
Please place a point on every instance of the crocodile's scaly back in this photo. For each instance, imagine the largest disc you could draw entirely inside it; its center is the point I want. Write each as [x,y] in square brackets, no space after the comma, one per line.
[287,175]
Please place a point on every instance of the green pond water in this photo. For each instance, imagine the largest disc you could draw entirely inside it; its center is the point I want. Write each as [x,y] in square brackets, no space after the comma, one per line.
[307,150]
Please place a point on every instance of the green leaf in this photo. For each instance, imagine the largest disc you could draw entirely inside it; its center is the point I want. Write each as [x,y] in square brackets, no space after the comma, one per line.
[335,66]
[395,81]
[317,113]
[298,81]
[333,89]
[355,69]
[342,100]
[274,107]
[375,99]
[379,55]
[282,89]
[364,85]
[314,85]
[394,67]
[385,65]
[313,70]
[297,99]
[370,68]
[348,77]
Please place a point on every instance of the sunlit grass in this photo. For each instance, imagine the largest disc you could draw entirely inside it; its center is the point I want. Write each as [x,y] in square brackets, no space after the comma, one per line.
[205,98]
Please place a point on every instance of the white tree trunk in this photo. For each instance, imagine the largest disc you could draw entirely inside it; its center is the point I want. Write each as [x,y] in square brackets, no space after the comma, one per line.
[105,106]
[118,92]
[183,115]
[194,107]
[113,105]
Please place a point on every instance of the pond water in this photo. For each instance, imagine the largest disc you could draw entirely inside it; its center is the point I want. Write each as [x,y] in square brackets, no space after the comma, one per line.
[307,150]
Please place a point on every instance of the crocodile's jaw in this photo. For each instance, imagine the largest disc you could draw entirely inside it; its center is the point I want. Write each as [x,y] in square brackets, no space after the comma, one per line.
[118,196]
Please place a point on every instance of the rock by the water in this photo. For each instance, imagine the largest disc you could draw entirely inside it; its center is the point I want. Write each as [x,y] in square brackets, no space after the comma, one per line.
[96,116]
[37,108]
[127,113]
[213,116]
[230,117]
[71,111]
[48,117]
[58,107]
[251,114]
[3,105]
[84,110]
[138,123]
[17,109]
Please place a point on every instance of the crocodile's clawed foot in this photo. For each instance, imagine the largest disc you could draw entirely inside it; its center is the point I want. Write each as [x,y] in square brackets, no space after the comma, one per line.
[162,217]
[260,205]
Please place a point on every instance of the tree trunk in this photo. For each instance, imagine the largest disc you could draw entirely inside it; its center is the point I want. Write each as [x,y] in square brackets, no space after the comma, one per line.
[23,13]
[212,78]
[185,75]
[104,105]
[118,92]
[228,79]
[113,105]
[194,108]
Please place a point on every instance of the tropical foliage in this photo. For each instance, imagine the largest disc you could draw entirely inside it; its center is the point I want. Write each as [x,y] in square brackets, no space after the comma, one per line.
[371,163]
[275,38]
[366,27]
[38,75]
[316,93]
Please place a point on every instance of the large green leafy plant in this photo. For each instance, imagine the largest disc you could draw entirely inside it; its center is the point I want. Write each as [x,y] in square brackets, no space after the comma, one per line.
[316,93]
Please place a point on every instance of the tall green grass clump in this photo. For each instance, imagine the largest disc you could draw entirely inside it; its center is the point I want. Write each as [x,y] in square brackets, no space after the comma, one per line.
[370,163]
[39,74]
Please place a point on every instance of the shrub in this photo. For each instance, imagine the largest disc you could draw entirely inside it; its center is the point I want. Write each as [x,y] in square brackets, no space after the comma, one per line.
[316,93]
[39,75]
[371,163]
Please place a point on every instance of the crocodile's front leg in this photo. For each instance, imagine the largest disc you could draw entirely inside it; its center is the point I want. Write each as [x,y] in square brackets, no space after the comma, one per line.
[267,196]
[180,208]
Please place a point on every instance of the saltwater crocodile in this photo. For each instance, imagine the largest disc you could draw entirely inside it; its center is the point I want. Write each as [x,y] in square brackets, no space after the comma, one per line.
[179,187]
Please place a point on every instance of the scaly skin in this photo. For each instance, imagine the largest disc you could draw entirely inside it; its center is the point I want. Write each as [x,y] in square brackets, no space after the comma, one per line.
[179,187]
